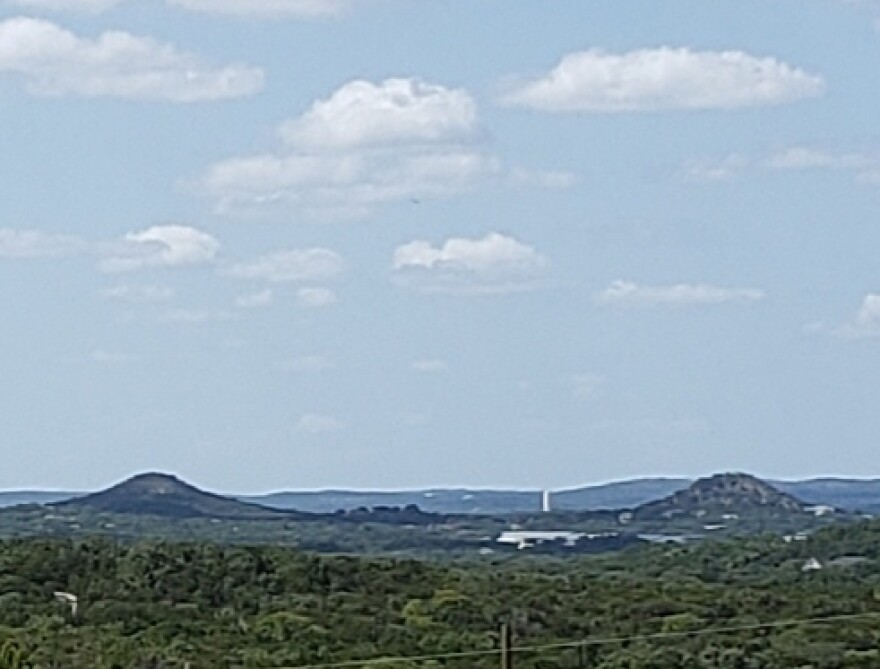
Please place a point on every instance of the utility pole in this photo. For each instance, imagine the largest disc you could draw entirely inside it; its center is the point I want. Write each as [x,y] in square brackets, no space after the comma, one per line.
[506,646]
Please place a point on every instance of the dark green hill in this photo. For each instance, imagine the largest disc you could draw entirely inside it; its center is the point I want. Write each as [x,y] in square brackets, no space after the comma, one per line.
[167,496]
[723,494]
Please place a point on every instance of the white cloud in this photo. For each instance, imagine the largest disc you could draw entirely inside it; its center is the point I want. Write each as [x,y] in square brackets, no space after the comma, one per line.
[495,263]
[293,265]
[864,165]
[429,366]
[159,246]
[309,364]
[367,144]
[869,314]
[25,244]
[54,61]
[138,293]
[867,321]
[319,424]
[627,293]
[725,169]
[315,298]
[262,298]
[663,79]
[397,111]
[343,185]
[266,8]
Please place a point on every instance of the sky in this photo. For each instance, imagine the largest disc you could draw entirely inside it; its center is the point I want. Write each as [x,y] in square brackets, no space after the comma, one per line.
[298,244]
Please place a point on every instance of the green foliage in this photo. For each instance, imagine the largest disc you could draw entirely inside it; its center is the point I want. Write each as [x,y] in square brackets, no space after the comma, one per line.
[163,605]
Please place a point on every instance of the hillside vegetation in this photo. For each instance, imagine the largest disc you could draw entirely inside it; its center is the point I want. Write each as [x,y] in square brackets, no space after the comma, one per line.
[155,605]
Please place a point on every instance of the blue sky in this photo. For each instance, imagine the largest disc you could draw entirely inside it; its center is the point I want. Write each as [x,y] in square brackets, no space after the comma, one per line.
[274,244]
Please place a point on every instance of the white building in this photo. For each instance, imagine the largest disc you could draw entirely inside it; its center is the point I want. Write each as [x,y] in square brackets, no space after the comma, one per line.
[531,538]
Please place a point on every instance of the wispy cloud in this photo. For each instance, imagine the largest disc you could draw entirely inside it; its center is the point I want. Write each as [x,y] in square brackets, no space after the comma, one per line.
[630,294]
[316,264]
[31,244]
[863,165]
[54,61]
[257,300]
[138,293]
[315,298]
[665,78]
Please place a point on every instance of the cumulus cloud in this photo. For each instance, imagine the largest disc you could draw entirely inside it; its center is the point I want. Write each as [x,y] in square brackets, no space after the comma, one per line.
[28,244]
[367,144]
[54,61]
[315,298]
[495,263]
[664,78]
[627,293]
[397,111]
[159,246]
[319,424]
[292,265]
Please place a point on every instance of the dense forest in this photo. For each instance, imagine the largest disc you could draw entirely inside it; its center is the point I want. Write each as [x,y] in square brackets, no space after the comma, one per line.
[734,604]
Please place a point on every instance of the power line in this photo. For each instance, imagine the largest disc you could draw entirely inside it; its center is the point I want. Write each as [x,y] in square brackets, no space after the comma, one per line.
[599,641]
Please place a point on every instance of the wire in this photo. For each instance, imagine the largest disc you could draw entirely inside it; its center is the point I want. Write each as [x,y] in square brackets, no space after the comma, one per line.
[601,641]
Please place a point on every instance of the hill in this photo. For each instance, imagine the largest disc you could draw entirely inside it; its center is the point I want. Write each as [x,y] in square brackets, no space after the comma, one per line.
[167,496]
[723,494]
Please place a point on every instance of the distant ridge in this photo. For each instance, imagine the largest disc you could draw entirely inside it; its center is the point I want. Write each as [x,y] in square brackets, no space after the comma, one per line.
[167,496]
[857,495]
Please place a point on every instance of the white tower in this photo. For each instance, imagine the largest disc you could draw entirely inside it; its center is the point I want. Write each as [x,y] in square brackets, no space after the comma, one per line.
[545,502]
